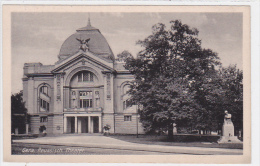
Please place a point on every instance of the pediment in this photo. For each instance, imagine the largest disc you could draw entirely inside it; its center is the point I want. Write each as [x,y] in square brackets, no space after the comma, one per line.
[84,58]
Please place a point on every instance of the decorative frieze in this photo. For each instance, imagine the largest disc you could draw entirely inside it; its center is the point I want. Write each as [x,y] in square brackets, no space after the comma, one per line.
[108,85]
[58,87]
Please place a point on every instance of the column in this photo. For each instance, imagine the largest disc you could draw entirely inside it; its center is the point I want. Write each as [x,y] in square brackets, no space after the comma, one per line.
[76,124]
[89,127]
[99,124]
[65,125]
[27,128]
[79,125]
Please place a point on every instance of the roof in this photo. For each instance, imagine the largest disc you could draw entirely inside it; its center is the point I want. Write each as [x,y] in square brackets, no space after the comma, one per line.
[37,68]
[97,44]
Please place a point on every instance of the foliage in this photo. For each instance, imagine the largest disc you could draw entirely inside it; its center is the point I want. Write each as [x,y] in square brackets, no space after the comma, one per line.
[123,56]
[219,91]
[107,127]
[42,128]
[19,115]
[176,80]
[232,83]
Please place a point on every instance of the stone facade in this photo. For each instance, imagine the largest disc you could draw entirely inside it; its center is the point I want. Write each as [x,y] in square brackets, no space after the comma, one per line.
[83,91]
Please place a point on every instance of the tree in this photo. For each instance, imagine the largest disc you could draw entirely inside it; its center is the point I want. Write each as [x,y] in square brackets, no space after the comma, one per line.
[123,56]
[232,83]
[171,60]
[19,116]
[216,92]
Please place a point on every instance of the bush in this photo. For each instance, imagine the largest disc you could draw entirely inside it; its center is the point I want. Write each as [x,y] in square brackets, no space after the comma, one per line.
[194,138]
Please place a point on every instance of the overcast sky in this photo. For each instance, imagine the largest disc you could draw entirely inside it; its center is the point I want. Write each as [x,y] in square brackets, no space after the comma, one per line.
[37,37]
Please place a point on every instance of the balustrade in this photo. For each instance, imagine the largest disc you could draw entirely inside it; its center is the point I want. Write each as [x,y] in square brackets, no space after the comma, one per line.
[99,109]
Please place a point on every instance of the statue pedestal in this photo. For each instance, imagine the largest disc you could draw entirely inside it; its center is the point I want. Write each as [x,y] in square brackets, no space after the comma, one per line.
[228,133]
[231,139]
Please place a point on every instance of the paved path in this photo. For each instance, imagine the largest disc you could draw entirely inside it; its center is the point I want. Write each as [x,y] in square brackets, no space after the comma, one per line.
[96,141]
[38,149]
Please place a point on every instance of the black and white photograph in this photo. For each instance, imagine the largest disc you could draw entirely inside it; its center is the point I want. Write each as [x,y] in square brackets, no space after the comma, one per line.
[144,83]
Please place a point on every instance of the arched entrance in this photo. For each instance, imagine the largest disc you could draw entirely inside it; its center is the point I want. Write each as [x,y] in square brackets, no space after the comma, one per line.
[85,104]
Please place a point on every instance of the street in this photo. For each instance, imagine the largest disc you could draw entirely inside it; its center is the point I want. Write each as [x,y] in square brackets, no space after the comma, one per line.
[97,144]
[29,149]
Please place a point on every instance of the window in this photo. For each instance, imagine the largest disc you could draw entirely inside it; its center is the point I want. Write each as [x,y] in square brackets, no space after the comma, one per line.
[85,76]
[127,118]
[44,104]
[44,98]
[43,119]
[126,89]
[126,104]
[85,99]
[44,90]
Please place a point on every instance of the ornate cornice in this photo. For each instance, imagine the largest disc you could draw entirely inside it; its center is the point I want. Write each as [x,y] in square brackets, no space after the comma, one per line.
[79,57]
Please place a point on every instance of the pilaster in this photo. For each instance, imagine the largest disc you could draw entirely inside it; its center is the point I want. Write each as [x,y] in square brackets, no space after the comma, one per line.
[30,100]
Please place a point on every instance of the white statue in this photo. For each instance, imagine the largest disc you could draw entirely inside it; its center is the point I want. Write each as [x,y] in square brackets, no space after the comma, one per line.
[228,131]
[74,99]
[227,119]
[97,99]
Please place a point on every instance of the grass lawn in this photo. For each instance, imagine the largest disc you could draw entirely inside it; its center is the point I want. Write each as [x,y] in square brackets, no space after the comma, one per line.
[162,140]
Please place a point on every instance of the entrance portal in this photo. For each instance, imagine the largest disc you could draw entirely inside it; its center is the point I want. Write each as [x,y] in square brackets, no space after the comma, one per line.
[82,124]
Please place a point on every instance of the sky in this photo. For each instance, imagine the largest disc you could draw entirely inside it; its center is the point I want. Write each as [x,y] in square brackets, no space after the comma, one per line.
[37,37]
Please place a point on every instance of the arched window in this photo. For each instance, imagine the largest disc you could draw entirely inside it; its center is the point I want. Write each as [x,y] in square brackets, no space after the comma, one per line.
[125,97]
[44,99]
[126,89]
[126,104]
[44,90]
[85,76]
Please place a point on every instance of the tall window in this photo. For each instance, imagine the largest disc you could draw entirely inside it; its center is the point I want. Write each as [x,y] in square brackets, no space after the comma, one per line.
[126,104]
[126,89]
[44,90]
[85,76]
[85,99]
[44,99]
[44,104]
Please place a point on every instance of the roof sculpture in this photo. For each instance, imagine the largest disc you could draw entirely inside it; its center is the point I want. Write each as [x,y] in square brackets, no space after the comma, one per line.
[96,44]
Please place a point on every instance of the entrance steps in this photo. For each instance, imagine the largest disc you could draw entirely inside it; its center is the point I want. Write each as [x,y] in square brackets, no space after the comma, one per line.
[84,134]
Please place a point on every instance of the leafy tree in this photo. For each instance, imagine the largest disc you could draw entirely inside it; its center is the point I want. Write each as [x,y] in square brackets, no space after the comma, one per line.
[215,92]
[232,83]
[19,115]
[123,56]
[171,60]
[209,100]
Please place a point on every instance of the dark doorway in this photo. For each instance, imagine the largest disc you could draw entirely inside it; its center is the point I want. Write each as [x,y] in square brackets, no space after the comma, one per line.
[72,125]
[95,125]
[84,125]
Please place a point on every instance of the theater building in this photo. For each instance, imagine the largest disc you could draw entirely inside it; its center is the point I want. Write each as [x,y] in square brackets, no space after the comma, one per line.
[83,91]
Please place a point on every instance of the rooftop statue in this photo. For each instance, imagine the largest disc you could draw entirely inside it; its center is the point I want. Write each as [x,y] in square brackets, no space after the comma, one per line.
[84,44]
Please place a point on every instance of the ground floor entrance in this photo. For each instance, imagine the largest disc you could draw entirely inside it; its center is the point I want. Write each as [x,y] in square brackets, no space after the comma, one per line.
[82,124]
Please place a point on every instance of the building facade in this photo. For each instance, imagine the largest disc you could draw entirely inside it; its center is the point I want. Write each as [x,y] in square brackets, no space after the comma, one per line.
[83,91]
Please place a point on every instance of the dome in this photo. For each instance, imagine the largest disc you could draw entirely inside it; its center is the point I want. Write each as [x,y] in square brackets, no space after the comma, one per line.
[97,44]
